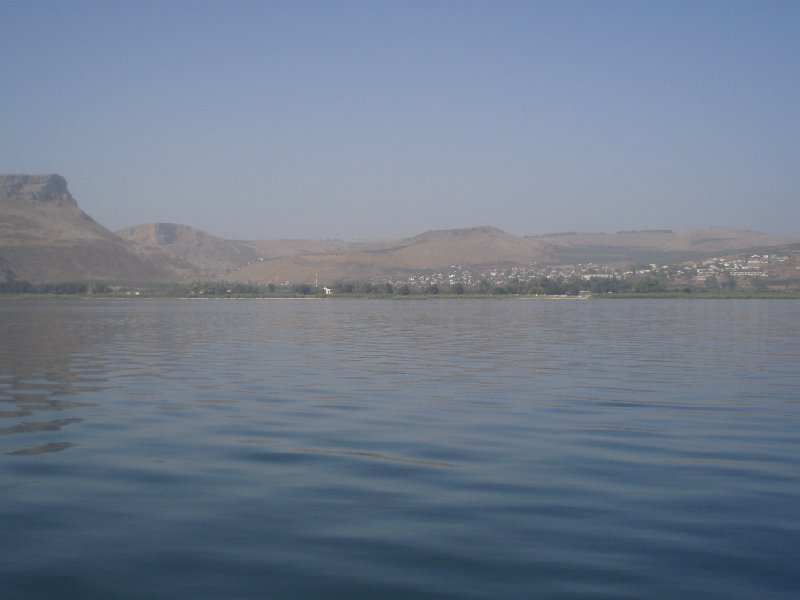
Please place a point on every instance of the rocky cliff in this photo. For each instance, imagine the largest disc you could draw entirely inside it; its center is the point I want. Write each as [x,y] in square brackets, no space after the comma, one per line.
[36,190]
[46,237]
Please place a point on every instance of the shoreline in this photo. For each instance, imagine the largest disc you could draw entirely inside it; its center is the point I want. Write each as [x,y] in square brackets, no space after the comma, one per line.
[767,295]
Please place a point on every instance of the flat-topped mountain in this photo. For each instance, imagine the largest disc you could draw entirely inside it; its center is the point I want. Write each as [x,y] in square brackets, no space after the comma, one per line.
[710,239]
[36,190]
[46,237]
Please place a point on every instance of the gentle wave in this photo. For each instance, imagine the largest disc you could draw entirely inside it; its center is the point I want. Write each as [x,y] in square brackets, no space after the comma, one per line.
[399,449]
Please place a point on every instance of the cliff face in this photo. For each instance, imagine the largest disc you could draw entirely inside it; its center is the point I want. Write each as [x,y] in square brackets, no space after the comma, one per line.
[36,190]
[46,237]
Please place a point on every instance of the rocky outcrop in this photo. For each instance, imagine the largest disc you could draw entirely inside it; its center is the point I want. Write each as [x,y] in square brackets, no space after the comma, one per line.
[46,237]
[36,190]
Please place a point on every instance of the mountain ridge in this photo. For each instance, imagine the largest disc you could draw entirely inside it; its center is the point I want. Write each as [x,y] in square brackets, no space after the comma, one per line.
[46,237]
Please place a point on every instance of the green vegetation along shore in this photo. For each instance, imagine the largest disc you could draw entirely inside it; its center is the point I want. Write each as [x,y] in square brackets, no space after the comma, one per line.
[538,289]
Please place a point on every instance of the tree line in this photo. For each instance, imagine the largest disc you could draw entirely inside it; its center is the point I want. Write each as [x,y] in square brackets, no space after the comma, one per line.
[14,286]
[542,286]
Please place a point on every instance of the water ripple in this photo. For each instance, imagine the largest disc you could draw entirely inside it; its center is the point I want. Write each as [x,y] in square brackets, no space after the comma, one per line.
[398,449]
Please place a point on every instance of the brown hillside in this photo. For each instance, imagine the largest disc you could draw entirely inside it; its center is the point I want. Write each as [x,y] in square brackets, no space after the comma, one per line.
[482,247]
[191,252]
[46,237]
[710,239]
[479,246]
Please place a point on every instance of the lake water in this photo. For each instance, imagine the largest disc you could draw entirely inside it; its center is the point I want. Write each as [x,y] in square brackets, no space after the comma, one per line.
[400,449]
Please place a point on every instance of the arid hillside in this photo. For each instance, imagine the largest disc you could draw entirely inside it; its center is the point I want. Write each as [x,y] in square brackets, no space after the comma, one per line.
[482,247]
[394,258]
[46,237]
[667,246]
[188,251]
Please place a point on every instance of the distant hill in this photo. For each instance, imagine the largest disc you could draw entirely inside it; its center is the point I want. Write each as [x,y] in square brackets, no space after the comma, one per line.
[474,246]
[649,246]
[46,237]
[484,247]
[393,258]
[189,251]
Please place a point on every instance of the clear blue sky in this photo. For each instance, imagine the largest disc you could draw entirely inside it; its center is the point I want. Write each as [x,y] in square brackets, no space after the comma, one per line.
[256,119]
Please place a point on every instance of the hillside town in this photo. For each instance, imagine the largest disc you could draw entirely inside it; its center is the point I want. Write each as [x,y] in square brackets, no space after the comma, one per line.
[745,271]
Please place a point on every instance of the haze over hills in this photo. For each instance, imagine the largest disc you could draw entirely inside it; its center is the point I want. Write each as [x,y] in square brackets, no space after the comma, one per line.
[45,237]
[187,251]
[489,247]
[198,253]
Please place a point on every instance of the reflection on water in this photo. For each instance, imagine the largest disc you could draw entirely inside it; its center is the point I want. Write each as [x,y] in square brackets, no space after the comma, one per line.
[38,426]
[44,448]
[41,370]
[399,449]
[377,456]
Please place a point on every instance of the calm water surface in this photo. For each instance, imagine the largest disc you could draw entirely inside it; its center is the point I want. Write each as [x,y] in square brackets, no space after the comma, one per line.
[379,449]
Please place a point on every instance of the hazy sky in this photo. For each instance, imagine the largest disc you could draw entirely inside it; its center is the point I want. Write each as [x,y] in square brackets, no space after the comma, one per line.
[256,119]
